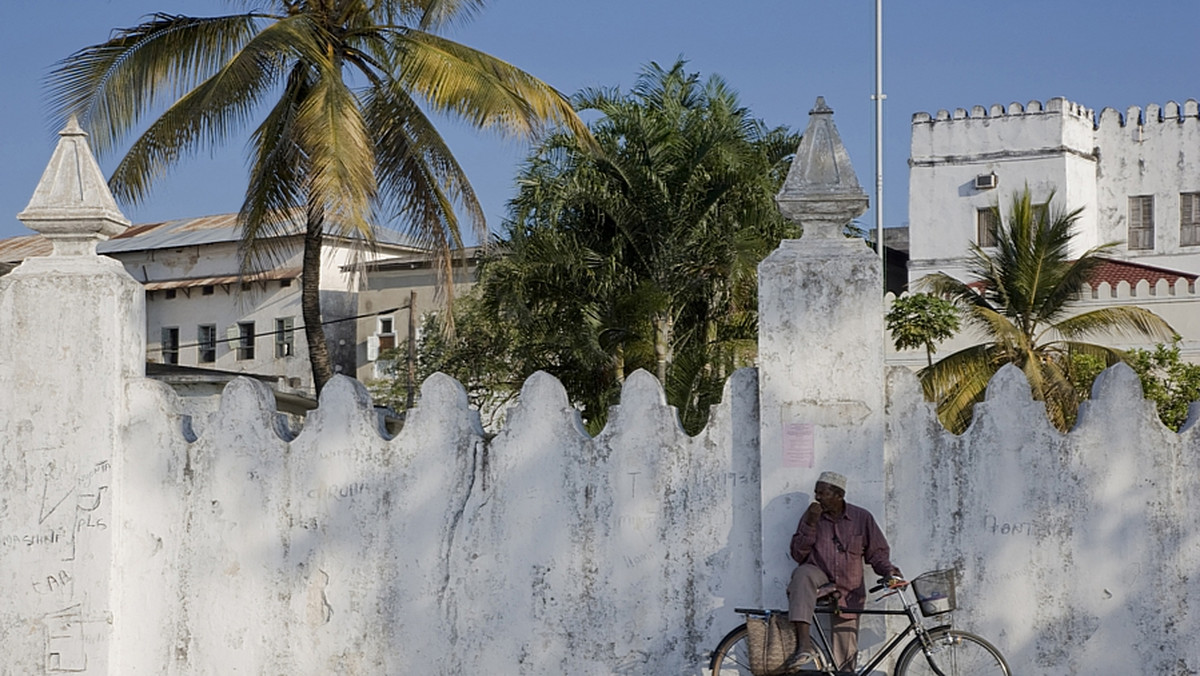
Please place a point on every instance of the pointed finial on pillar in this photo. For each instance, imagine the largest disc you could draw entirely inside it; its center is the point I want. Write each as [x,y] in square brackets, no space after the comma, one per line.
[72,205]
[821,191]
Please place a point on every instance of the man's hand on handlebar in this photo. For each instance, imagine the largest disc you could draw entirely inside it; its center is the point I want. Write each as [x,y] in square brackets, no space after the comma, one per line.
[893,580]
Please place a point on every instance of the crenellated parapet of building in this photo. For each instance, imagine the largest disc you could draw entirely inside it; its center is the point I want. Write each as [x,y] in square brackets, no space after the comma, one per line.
[1169,112]
[1188,113]
[1056,105]
[1002,133]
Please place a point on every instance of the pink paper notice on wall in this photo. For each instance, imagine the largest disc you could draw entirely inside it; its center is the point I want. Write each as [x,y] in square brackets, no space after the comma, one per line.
[798,445]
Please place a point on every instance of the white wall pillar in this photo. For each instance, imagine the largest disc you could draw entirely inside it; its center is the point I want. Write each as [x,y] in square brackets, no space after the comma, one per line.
[71,334]
[820,350]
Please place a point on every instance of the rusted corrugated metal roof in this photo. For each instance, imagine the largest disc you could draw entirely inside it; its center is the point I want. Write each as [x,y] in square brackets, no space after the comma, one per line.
[175,234]
[215,229]
[193,282]
[17,249]
[179,233]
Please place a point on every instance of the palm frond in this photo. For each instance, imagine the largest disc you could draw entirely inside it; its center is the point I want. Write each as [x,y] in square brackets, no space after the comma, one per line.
[484,91]
[951,288]
[958,381]
[1126,320]
[439,13]
[274,194]
[340,156]
[110,86]
[214,109]
[412,158]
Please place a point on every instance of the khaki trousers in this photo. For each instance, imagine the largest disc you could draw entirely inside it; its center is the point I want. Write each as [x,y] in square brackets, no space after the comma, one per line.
[802,599]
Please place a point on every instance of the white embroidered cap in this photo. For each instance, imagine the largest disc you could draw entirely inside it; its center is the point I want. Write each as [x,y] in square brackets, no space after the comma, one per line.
[833,479]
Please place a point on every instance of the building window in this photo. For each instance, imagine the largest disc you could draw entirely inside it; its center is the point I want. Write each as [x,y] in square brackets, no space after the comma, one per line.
[987,224]
[245,345]
[206,337]
[387,333]
[285,337]
[1189,219]
[1141,222]
[170,345]
[169,294]
[206,290]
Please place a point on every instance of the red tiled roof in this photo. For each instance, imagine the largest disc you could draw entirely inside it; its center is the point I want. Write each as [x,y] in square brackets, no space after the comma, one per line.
[1113,271]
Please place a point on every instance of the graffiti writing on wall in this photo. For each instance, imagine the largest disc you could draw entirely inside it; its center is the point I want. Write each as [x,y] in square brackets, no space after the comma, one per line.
[65,648]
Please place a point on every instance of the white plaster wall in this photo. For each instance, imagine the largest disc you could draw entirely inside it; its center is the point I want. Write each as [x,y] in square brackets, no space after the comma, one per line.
[548,552]
[61,396]
[1074,550]
[543,551]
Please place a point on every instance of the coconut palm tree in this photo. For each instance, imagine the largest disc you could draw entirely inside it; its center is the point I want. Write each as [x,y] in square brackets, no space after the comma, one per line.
[1020,297]
[643,253]
[338,90]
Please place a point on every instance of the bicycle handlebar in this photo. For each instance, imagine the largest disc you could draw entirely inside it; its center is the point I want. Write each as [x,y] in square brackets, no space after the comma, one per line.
[890,582]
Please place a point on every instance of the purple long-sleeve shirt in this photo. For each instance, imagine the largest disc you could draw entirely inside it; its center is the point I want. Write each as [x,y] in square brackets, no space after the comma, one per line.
[840,547]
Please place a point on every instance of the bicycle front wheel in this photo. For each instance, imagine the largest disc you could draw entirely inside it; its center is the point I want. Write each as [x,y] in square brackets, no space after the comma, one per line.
[732,656]
[952,653]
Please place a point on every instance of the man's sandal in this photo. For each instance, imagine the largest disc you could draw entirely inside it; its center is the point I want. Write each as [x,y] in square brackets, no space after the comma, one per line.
[799,659]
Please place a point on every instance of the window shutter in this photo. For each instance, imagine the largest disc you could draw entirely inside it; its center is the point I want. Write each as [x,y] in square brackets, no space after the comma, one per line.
[372,348]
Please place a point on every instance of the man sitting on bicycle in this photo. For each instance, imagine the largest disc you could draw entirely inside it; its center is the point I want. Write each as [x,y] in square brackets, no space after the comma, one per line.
[831,543]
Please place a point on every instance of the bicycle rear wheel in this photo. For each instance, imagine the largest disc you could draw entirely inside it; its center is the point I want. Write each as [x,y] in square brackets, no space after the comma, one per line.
[953,653]
[732,656]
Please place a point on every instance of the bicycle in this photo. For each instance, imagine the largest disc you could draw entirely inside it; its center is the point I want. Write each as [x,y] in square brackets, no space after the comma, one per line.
[936,651]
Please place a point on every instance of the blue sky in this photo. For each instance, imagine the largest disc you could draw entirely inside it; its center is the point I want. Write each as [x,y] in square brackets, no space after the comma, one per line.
[778,54]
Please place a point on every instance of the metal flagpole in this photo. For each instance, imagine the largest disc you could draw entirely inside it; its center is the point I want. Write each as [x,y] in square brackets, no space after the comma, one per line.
[879,97]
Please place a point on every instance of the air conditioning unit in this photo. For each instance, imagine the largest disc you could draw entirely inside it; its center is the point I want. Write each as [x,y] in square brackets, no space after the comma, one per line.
[986,181]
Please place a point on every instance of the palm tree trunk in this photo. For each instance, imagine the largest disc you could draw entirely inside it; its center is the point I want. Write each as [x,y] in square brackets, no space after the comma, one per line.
[663,325]
[310,301]
[619,364]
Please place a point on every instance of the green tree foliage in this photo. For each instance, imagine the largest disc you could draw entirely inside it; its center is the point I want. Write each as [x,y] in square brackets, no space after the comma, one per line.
[1020,296]
[1168,381]
[484,355]
[921,320]
[338,89]
[1171,383]
[643,253]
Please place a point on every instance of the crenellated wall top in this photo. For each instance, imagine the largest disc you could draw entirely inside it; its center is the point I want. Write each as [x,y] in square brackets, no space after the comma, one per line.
[1054,106]
[1109,117]
[1151,114]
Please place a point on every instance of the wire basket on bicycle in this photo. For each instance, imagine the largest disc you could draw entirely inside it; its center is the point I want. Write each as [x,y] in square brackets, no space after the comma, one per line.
[935,591]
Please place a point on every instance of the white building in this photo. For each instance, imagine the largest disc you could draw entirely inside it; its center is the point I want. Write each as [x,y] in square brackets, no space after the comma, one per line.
[200,312]
[1136,175]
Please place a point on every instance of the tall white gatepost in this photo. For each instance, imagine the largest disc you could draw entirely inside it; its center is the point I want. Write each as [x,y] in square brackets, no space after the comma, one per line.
[71,335]
[820,349]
